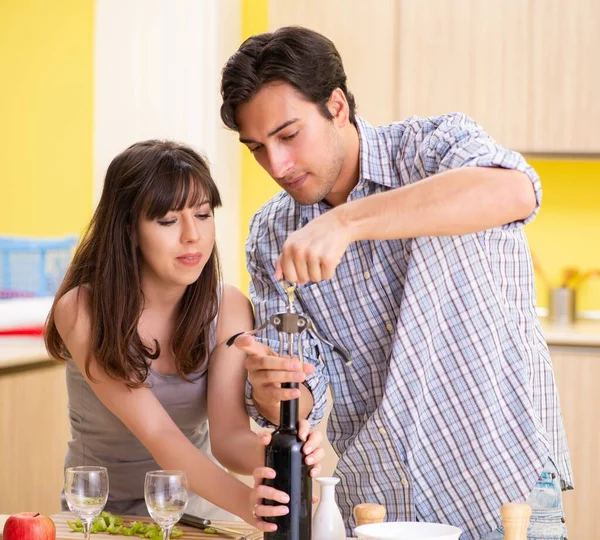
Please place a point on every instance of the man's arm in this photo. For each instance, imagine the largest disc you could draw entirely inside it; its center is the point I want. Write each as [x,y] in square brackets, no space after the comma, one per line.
[459,201]
[455,180]
[266,370]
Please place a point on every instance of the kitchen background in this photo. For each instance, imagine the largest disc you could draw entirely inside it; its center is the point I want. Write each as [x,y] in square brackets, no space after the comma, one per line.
[83,79]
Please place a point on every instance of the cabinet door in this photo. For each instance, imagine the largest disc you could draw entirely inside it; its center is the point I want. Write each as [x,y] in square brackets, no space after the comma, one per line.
[565,75]
[467,56]
[34,430]
[577,376]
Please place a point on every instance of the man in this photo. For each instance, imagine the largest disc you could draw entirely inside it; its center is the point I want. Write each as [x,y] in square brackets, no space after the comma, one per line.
[407,242]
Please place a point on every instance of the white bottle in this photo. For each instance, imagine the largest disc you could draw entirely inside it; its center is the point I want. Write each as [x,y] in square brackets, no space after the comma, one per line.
[327,522]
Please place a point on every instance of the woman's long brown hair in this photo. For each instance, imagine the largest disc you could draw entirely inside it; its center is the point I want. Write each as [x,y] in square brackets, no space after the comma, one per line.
[149,179]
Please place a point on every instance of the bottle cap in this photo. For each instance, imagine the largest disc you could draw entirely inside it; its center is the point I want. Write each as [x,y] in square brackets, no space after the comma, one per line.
[369,513]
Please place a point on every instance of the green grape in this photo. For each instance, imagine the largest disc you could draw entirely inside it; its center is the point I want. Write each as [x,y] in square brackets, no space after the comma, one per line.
[107,522]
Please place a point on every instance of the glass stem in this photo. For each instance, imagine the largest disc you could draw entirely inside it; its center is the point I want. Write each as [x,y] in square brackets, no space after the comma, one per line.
[87,525]
[167,532]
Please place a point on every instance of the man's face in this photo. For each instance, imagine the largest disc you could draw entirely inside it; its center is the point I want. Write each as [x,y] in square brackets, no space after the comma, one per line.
[289,137]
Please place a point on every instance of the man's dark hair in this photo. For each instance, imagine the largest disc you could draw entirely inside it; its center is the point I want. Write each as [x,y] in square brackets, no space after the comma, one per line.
[303,58]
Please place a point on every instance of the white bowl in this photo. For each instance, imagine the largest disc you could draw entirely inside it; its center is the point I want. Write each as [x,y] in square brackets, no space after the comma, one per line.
[407,530]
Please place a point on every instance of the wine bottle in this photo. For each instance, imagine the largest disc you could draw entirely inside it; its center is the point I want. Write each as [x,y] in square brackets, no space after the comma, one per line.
[284,455]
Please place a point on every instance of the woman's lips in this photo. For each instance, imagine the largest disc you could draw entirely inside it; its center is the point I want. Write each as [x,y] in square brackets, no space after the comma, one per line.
[190,259]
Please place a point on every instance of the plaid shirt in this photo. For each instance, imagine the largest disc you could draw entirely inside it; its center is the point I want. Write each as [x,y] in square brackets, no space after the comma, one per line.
[450,407]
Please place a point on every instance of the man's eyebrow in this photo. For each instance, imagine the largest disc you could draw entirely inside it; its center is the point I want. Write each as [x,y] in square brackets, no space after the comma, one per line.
[274,132]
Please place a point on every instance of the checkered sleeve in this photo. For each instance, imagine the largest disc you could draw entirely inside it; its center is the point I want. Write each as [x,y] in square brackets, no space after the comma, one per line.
[268,297]
[455,140]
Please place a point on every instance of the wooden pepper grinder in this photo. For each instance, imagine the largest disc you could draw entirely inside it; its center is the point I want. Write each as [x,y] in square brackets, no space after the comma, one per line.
[369,513]
[515,518]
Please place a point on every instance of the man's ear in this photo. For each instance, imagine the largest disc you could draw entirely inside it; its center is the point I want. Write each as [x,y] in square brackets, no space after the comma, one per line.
[338,107]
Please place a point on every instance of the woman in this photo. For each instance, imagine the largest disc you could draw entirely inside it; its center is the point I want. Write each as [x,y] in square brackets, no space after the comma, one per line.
[138,318]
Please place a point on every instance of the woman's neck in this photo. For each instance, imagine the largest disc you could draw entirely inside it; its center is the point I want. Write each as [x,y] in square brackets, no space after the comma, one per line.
[160,297]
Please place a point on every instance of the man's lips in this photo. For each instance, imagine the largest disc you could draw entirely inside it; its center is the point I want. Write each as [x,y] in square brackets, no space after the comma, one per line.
[296,182]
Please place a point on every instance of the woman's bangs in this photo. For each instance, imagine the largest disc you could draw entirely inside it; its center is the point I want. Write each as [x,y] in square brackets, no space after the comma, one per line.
[174,192]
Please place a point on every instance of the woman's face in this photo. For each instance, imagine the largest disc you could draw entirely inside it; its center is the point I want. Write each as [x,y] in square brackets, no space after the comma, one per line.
[175,247]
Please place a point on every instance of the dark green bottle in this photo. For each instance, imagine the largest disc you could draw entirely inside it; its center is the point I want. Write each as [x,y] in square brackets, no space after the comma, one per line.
[284,455]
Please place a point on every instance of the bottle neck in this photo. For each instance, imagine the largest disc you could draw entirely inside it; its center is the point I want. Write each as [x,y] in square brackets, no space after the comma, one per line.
[288,416]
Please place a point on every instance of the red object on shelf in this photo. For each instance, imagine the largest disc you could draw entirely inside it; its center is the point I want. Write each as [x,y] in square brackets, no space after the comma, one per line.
[33,331]
[6,295]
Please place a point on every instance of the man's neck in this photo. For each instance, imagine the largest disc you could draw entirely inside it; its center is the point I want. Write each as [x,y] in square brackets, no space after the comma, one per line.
[348,177]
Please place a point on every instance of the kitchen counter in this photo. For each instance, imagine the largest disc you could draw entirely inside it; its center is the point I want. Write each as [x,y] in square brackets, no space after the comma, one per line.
[21,352]
[63,532]
[582,333]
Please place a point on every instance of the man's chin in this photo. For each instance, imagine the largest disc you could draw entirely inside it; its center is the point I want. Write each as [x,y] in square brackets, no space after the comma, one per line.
[304,199]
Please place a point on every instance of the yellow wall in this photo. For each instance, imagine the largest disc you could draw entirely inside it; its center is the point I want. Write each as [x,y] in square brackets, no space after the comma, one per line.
[256,185]
[46,106]
[566,232]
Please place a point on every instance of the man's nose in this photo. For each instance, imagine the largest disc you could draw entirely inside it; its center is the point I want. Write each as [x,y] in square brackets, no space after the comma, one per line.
[280,162]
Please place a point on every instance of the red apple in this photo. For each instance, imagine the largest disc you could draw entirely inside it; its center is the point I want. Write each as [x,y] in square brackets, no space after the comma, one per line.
[29,526]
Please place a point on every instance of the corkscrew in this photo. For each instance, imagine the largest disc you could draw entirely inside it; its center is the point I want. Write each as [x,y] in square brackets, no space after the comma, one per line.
[291,326]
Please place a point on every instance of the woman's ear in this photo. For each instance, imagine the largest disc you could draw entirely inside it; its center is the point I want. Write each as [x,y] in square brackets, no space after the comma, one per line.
[132,232]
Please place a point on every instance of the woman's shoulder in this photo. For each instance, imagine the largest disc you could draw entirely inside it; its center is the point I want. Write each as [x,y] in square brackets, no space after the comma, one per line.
[235,311]
[232,299]
[72,313]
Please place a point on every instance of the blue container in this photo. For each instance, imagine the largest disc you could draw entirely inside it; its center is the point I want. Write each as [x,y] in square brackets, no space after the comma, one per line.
[33,266]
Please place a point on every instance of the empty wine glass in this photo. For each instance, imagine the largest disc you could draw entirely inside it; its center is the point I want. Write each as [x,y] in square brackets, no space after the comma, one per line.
[166,495]
[86,491]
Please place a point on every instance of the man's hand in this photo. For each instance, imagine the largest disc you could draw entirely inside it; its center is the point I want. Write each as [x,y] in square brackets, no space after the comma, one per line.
[266,372]
[314,252]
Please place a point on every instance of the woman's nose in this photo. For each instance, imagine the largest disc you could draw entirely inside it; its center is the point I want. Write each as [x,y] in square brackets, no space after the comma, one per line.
[190,232]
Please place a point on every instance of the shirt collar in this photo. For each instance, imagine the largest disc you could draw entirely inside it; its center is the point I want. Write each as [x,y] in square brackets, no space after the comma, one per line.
[374,155]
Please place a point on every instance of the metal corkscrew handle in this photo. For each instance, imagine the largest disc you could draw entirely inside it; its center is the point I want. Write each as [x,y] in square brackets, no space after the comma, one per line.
[290,326]
[291,323]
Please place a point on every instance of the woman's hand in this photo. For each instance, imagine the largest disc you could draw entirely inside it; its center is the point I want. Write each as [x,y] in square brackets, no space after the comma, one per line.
[311,447]
[260,492]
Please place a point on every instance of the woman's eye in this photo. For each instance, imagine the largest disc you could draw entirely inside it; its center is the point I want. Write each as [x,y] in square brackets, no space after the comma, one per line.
[203,216]
[166,223]
[291,136]
[255,149]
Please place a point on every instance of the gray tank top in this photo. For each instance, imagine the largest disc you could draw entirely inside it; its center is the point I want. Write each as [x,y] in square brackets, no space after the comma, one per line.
[98,437]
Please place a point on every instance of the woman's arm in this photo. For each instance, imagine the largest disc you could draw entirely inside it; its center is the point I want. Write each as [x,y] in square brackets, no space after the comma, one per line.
[145,417]
[232,441]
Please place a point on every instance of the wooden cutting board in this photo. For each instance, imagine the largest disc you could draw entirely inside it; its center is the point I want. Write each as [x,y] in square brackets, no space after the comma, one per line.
[64,532]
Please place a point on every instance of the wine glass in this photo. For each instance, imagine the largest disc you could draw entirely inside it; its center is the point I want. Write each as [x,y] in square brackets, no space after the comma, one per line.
[166,495]
[86,491]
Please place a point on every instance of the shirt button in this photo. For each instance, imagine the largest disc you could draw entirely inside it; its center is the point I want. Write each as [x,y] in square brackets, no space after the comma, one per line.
[389,326]
[382,431]
[404,482]
[367,274]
